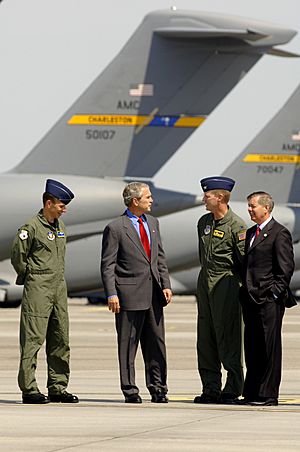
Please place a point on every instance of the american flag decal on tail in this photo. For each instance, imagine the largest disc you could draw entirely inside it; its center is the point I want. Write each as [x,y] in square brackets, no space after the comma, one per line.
[141,89]
[296,136]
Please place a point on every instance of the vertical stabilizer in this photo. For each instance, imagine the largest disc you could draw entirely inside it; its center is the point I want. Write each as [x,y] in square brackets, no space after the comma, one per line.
[271,162]
[170,75]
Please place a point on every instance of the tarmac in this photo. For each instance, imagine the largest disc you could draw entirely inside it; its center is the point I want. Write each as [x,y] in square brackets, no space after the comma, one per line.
[103,422]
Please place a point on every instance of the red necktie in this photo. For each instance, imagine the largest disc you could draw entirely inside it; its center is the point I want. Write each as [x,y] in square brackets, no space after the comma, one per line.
[144,237]
[257,231]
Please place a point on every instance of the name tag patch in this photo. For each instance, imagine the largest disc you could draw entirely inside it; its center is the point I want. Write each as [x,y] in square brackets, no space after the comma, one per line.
[60,234]
[219,234]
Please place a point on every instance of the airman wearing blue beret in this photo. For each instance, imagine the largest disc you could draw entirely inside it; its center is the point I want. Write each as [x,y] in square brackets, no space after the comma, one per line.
[59,191]
[221,249]
[38,255]
[217,183]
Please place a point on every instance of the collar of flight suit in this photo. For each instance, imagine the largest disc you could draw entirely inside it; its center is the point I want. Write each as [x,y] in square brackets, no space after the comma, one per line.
[46,223]
[227,217]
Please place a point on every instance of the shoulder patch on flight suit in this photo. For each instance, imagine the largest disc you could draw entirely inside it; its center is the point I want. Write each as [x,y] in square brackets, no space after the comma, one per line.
[207,229]
[23,234]
[219,234]
[242,235]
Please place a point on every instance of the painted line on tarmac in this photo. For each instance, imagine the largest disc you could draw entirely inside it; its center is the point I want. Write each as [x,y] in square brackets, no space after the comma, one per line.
[92,404]
[189,398]
[97,308]
[285,405]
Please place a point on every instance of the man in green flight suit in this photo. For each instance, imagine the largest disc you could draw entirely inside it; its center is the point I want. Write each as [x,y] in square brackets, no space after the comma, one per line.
[221,236]
[38,255]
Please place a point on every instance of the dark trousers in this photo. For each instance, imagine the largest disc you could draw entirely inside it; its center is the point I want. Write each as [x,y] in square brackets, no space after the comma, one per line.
[146,327]
[263,350]
[219,337]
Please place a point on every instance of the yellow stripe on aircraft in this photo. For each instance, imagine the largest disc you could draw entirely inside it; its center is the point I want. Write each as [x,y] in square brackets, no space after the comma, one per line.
[272,158]
[138,120]
[105,120]
[188,121]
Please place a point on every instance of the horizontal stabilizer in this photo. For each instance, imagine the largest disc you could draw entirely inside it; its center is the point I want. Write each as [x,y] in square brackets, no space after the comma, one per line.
[195,33]
[282,53]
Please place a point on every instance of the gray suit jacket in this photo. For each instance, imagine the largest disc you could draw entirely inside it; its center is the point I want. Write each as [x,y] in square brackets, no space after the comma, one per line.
[125,268]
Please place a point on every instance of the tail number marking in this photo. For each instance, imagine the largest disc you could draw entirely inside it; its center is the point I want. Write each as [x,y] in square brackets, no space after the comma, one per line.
[270,169]
[93,134]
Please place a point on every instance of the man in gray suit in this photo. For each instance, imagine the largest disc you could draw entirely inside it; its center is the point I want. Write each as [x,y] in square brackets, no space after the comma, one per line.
[137,286]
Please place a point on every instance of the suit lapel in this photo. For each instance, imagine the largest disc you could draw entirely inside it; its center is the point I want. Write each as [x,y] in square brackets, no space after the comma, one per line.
[133,235]
[262,236]
[249,234]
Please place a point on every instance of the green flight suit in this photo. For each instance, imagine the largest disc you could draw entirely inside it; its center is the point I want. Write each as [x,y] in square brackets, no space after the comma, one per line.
[219,340]
[38,255]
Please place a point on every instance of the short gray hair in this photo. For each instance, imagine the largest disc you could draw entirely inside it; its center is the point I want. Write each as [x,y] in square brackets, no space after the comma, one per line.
[264,199]
[133,190]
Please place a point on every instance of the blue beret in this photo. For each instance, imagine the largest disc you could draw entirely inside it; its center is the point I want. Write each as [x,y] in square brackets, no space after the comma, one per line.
[59,191]
[217,183]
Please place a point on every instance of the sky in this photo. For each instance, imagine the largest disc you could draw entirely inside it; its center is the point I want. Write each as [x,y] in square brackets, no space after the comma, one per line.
[51,51]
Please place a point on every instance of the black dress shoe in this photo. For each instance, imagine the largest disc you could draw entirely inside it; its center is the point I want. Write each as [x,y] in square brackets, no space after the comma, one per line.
[206,398]
[159,397]
[243,401]
[228,398]
[135,398]
[63,397]
[37,397]
[269,401]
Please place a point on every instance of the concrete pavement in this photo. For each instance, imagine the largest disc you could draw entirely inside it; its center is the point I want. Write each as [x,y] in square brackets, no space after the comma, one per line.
[102,422]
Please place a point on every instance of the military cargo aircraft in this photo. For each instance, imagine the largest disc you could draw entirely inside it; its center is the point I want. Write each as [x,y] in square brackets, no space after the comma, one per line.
[270,163]
[164,83]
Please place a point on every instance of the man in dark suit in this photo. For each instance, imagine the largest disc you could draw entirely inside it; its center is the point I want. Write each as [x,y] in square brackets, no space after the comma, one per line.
[137,285]
[268,268]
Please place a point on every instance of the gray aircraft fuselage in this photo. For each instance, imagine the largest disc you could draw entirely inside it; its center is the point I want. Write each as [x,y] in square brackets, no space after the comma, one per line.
[179,236]
[96,201]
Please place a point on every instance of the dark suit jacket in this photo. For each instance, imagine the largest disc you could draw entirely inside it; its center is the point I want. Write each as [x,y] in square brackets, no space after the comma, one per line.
[269,264]
[125,267]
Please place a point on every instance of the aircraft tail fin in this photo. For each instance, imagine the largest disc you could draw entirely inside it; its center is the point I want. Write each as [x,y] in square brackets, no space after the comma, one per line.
[170,75]
[271,162]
